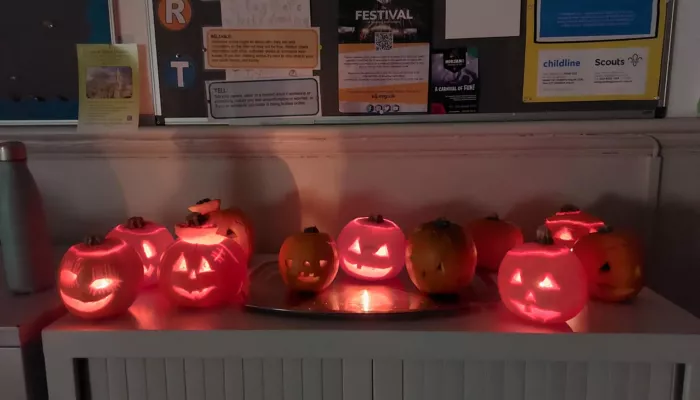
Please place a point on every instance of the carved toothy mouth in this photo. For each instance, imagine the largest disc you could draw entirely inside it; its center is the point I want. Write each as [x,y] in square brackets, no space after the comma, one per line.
[534,312]
[367,272]
[86,306]
[308,277]
[193,294]
[614,290]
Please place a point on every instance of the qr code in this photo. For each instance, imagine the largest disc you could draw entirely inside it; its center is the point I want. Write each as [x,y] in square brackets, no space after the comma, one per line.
[383,41]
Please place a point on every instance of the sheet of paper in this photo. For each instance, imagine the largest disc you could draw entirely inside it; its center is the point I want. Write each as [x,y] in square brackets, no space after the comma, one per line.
[261,14]
[264,99]
[589,69]
[384,56]
[278,49]
[109,87]
[454,81]
[596,20]
[466,19]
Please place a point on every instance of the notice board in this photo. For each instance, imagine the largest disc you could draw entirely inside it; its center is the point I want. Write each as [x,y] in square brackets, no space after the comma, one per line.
[39,64]
[538,71]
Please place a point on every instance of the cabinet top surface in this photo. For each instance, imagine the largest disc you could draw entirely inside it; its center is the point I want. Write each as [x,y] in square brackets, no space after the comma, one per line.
[648,314]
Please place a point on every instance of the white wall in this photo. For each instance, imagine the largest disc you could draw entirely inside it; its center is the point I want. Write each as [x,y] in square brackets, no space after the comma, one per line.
[685,72]
[290,177]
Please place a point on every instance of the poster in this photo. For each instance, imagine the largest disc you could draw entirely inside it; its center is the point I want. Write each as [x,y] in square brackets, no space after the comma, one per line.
[384,56]
[466,19]
[596,20]
[454,84]
[108,87]
[582,69]
[263,98]
[261,48]
[265,14]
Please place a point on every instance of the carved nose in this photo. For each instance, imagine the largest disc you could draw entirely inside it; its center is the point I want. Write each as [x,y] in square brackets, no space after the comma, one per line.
[530,296]
[193,275]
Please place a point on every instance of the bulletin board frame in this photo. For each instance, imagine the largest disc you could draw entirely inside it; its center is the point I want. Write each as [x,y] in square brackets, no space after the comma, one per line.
[495,104]
[63,111]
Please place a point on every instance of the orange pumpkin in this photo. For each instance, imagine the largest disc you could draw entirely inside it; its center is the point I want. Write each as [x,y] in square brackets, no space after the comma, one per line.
[613,261]
[543,281]
[493,238]
[570,224]
[231,222]
[203,268]
[308,261]
[440,258]
[99,278]
[149,240]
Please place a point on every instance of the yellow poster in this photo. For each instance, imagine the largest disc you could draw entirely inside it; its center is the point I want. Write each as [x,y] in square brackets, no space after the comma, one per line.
[109,87]
[594,50]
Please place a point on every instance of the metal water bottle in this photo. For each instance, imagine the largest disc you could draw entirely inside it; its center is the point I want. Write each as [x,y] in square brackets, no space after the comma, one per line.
[24,236]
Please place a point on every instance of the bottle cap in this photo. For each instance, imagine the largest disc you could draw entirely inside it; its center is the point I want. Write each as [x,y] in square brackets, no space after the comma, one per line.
[13,151]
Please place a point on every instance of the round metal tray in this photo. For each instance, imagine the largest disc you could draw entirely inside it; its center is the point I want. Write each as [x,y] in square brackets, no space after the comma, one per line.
[348,297]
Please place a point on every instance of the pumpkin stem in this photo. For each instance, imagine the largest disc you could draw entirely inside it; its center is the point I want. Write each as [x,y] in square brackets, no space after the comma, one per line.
[311,229]
[204,200]
[135,223]
[493,217]
[442,223]
[544,236]
[196,219]
[569,208]
[93,240]
[376,219]
[605,229]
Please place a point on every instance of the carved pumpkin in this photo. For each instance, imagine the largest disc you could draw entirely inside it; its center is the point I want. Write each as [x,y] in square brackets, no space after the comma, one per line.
[99,278]
[613,261]
[371,248]
[570,224]
[149,240]
[308,261]
[543,281]
[202,268]
[440,258]
[493,238]
[231,222]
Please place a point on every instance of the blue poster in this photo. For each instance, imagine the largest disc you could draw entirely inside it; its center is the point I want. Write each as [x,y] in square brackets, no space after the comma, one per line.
[596,20]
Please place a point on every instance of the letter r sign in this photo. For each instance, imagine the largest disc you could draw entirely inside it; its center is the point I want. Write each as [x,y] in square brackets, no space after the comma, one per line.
[175,15]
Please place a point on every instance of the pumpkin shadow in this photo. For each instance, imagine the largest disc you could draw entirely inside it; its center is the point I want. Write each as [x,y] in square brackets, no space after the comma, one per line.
[673,257]
[263,186]
[530,214]
[624,213]
[458,211]
[91,201]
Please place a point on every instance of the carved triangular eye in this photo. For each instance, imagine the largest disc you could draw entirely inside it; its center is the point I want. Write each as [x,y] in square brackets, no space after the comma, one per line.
[355,247]
[605,268]
[148,249]
[548,283]
[180,265]
[516,279]
[382,252]
[204,267]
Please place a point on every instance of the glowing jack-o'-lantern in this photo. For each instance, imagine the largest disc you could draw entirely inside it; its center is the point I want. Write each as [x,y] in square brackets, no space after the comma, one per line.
[308,261]
[202,268]
[613,261]
[570,224]
[99,278]
[543,281]
[493,238]
[440,258]
[149,240]
[371,248]
[231,222]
